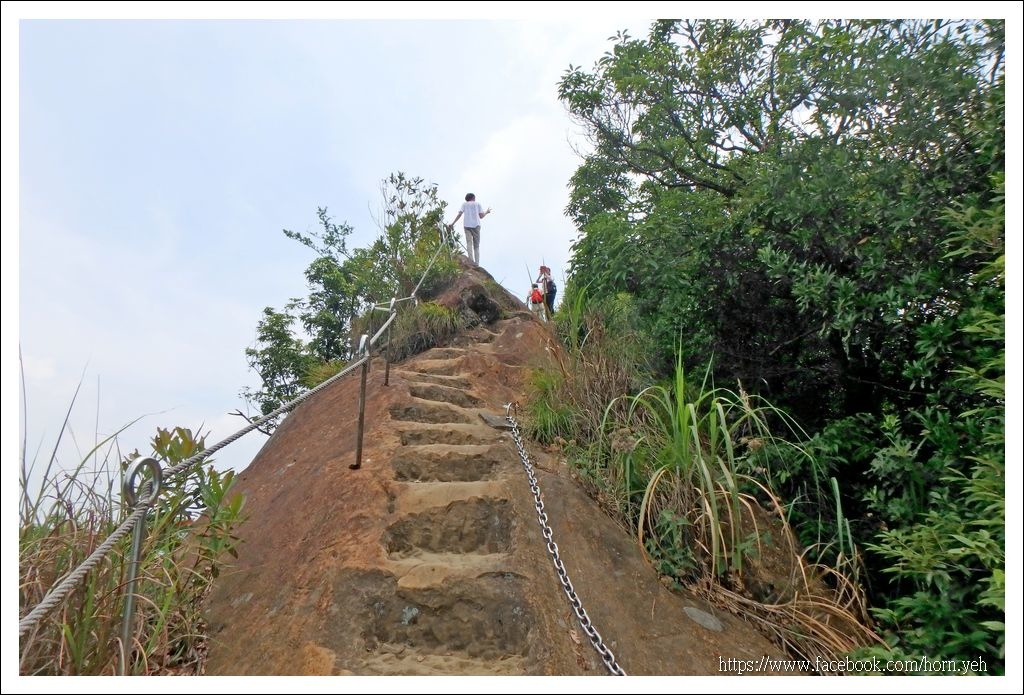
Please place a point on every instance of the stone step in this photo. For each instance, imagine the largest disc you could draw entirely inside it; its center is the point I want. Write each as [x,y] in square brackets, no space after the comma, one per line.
[399,660]
[445,353]
[445,367]
[424,570]
[475,339]
[485,619]
[450,463]
[457,382]
[447,434]
[444,394]
[414,498]
[430,411]
[481,525]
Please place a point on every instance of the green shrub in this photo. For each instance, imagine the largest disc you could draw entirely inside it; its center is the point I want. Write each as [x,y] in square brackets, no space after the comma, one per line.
[189,533]
[948,560]
[422,326]
[320,372]
[546,417]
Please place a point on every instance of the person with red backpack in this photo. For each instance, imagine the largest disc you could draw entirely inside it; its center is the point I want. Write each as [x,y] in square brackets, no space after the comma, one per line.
[536,301]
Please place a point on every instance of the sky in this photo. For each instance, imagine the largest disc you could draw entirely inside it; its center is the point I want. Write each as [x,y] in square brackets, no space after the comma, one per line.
[150,166]
[160,161]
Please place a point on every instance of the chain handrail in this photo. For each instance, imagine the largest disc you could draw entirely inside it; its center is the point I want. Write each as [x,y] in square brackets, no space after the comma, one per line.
[563,577]
[65,586]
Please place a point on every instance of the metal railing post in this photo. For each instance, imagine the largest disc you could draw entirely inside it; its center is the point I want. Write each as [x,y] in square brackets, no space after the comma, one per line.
[387,353]
[131,497]
[387,360]
[364,351]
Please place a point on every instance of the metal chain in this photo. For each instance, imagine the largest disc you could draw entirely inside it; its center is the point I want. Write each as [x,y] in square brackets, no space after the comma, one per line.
[577,606]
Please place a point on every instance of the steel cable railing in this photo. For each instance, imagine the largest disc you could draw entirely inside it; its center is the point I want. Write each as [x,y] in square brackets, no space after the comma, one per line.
[142,499]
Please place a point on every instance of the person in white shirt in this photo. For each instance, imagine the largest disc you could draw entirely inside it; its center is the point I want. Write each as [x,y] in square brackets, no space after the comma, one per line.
[472,212]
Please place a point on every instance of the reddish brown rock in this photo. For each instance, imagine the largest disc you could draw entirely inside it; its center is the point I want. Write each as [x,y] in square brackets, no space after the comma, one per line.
[429,559]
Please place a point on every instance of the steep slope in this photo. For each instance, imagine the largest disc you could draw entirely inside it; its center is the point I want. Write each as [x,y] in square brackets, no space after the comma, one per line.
[429,559]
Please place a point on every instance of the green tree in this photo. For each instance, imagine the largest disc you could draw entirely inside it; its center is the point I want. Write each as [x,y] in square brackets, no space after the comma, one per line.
[412,224]
[775,196]
[344,283]
[790,158]
[330,241]
[334,283]
[279,358]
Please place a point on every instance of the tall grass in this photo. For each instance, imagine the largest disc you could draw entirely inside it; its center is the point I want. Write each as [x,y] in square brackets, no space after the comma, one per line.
[548,418]
[421,327]
[694,451]
[603,360]
[709,518]
[688,468]
[319,372]
[189,530]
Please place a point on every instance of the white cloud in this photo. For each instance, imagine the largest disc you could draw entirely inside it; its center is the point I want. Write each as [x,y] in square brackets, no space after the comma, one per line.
[520,172]
[38,368]
[153,280]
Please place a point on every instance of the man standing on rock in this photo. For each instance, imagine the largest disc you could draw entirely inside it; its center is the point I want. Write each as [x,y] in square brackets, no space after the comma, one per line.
[473,213]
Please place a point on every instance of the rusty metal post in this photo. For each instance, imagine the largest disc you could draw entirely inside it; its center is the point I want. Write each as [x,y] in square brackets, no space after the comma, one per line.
[131,498]
[387,354]
[364,351]
[387,359]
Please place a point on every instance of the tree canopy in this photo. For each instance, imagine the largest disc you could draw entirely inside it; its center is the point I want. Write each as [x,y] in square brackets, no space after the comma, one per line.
[816,207]
[344,283]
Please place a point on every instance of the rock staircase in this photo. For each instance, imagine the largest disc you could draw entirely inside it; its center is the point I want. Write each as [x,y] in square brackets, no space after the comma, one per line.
[429,559]
[447,600]
[425,561]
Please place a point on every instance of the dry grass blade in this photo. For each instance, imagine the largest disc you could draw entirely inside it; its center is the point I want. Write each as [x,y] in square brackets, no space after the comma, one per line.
[70,519]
